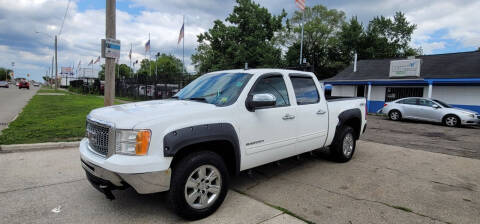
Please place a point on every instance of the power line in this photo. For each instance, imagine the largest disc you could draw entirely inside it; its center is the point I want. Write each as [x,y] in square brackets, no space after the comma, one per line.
[65,16]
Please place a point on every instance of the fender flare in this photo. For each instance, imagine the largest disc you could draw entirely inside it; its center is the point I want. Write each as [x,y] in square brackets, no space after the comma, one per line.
[343,118]
[178,139]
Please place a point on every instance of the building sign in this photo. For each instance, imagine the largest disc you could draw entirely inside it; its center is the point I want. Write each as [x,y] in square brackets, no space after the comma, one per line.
[110,48]
[67,71]
[405,68]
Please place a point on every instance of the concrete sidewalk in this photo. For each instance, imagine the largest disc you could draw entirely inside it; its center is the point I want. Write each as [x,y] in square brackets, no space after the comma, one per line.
[50,187]
[381,184]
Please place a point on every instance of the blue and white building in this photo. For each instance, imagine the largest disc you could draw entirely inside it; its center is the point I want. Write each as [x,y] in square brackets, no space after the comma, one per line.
[453,78]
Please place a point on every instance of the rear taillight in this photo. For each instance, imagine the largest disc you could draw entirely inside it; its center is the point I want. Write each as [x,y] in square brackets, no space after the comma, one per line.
[384,105]
[366,110]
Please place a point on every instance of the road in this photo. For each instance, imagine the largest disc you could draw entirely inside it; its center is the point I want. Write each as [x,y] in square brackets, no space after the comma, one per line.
[12,100]
[381,184]
[431,137]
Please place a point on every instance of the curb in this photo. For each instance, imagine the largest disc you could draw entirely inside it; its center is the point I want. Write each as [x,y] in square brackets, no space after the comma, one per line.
[37,147]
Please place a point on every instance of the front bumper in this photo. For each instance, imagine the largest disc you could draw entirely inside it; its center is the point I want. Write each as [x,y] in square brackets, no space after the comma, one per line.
[103,178]
[143,183]
[470,121]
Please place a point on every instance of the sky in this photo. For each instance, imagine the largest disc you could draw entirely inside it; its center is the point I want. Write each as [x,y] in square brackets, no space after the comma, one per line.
[28,27]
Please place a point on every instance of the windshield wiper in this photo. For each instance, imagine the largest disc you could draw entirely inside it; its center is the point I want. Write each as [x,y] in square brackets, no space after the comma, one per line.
[174,97]
[200,99]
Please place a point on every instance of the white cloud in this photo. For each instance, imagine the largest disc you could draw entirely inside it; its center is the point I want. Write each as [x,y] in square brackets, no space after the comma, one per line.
[439,23]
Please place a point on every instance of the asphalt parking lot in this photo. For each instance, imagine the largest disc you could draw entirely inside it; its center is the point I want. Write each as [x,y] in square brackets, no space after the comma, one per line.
[464,141]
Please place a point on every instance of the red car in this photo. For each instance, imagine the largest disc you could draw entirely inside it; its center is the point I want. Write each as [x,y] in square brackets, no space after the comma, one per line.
[24,84]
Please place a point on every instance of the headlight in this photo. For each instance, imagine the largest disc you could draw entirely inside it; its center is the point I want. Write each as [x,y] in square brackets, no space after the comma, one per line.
[471,115]
[132,142]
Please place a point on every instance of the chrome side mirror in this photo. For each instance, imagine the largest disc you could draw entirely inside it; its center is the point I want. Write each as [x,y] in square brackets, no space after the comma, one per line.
[435,106]
[260,100]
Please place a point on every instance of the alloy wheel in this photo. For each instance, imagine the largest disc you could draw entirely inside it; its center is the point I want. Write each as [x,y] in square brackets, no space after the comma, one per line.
[348,143]
[203,187]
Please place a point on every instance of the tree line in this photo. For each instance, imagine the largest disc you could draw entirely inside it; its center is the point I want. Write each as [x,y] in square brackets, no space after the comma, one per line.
[164,66]
[251,34]
[5,74]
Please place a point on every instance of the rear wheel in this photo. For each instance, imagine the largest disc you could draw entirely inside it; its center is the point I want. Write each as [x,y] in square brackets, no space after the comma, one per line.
[199,185]
[451,121]
[344,147]
[395,115]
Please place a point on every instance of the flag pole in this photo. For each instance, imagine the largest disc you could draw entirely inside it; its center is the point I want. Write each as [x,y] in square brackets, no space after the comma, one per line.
[301,41]
[183,48]
[149,55]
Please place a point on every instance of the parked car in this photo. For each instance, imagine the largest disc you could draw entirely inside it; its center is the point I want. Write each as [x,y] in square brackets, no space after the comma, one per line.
[4,84]
[220,124]
[432,110]
[24,84]
[36,84]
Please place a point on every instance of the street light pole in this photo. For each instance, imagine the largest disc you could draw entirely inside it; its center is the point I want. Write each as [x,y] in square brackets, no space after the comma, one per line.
[110,32]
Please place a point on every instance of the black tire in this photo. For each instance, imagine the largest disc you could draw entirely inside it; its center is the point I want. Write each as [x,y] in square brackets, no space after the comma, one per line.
[395,115]
[451,121]
[182,171]
[337,149]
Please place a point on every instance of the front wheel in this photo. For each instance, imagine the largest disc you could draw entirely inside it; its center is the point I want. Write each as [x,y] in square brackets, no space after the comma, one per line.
[199,185]
[344,147]
[451,121]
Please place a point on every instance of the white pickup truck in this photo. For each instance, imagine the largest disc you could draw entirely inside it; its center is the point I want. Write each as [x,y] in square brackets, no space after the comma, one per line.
[220,124]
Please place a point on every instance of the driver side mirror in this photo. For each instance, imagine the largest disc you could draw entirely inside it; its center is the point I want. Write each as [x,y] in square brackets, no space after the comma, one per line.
[435,106]
[260,100]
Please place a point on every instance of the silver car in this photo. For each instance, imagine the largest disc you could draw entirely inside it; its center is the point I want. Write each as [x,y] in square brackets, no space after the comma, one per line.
[432,110]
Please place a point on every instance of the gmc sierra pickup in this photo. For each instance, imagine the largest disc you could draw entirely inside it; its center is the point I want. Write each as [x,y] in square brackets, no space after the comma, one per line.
[220,124]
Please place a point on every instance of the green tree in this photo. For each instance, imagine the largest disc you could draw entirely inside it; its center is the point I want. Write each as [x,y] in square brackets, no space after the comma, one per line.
[166,67]
[320,42]
[351,39]
[5,74]
[121,71]
[387,38]
[248,37]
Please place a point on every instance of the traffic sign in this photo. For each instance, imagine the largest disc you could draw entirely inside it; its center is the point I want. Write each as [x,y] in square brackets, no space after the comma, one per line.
[110,48]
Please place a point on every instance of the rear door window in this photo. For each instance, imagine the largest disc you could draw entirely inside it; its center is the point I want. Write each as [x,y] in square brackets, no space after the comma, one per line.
[305,90]
[411,101]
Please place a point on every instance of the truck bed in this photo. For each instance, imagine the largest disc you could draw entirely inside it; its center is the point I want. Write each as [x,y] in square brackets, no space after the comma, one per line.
[340,98]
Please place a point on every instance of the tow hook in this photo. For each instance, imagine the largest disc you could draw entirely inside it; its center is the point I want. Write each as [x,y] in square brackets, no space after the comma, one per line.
[108,192]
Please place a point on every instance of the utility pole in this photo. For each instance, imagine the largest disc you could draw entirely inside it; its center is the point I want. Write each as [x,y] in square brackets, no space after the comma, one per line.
[51,74]
[110,32]
[301,41]
[56,64]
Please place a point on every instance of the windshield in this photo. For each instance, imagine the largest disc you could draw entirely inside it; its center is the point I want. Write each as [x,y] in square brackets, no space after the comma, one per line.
[442,104]
[220,89]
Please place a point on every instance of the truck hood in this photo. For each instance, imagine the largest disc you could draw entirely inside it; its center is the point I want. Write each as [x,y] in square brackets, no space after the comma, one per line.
[128,115]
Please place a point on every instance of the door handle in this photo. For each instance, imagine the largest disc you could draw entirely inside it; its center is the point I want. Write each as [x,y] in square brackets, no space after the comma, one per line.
[288,117]
[321,112]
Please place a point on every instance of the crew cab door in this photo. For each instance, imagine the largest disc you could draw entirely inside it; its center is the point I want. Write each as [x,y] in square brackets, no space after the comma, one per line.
[268,134]
[311,111]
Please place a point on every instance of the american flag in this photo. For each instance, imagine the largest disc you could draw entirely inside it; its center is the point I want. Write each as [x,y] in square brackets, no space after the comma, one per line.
[98,59]
[147,46]
[130,53]
[91,62]
[300,4]
[180,36]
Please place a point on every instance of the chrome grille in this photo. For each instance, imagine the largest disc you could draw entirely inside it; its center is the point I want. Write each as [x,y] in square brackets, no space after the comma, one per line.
[98,137]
